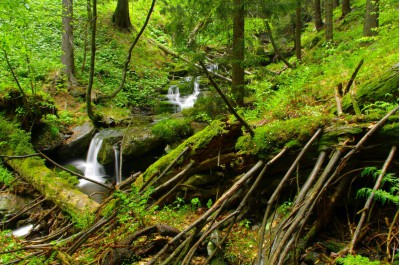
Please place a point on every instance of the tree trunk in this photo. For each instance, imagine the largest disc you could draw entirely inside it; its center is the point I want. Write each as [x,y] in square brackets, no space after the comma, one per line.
[345,8]
[67,58]
[335,3]
[121,17]
[318,15]
[371,21]
[329,20]
[89,108]
[238,52]
[297,37]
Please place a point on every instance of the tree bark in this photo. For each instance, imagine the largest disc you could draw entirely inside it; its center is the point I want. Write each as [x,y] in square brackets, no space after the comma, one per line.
[371,21]
[335,3]
[329,20]
[238,52]
[297,37]
[345,8]
[269,32]
[67,58]
[318,15]
[121,18]
[89,108]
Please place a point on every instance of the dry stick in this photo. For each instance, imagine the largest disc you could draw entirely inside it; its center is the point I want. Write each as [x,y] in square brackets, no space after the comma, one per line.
[176,55]
[304,213]
[225,99]
[24,211]
[338,103]
[244,201]
[178,176]
[342,163]
[390,234]
[367,135]
[84,236]
[228,194]
[165,170]
[52,235]
[278,190]
[370,199]
[298,203]
[178,250]
[72,172]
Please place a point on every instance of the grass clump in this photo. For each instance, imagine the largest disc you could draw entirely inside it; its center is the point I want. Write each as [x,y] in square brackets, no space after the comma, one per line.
[172,130]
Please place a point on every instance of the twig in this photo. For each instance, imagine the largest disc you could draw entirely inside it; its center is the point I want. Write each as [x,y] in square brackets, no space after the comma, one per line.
[390,233]
[338,102]
[370,199]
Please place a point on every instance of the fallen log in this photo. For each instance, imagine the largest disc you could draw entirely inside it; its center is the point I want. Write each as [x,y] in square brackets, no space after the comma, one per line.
[56,187]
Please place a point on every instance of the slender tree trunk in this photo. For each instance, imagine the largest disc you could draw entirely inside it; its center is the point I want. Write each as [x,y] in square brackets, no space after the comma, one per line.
[89,108]
[121,17]
[345,8]
[87,30]
[238,52]
[329,20]
[335,3]
[297,37]
[67,58]
[318,15]
[269,31]
[371,21]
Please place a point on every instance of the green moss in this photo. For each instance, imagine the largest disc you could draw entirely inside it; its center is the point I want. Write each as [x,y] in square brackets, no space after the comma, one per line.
[172,130]
[196,142]
[276,134]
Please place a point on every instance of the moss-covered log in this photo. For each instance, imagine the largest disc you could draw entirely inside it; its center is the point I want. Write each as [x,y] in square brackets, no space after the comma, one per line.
[56,186]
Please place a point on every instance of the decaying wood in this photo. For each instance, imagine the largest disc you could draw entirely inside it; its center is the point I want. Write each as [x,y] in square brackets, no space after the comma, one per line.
[165,170]
[338,102]
[202,219]
[278,190]
[353,77]
[368,203]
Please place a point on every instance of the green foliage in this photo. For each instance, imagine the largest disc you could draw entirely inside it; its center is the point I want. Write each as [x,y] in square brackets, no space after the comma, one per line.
[6,177]
[172,130]
[209,203]
[133,206]
[356,260]
[196,203]
[389,190]
[11,137]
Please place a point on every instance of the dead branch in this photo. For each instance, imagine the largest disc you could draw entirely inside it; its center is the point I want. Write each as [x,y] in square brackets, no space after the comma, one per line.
[85,235]
[225,99]
[165,170]
[368,203]
[338,102]
[200,221]
[277,192]
[353,77]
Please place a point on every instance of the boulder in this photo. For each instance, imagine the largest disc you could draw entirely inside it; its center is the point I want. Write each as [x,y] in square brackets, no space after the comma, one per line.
[77,144]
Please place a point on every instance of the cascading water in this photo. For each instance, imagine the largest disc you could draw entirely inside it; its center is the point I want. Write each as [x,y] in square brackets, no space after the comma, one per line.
[91,167]
[184,102]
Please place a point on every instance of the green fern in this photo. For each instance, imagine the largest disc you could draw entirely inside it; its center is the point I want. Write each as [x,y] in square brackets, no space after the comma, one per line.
[389,187]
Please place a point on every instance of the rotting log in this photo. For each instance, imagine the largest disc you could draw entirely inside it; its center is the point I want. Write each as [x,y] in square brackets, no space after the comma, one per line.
[60,190]
[63,194]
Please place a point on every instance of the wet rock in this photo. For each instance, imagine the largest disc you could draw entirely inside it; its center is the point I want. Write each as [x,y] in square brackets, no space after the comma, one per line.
[77,144]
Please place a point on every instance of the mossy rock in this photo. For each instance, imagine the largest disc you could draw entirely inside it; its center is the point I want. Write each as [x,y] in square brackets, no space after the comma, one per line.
[384,89]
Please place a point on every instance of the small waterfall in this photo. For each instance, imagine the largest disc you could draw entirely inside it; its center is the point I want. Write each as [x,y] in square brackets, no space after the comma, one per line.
[118,177]
[184,102]
[91,167]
